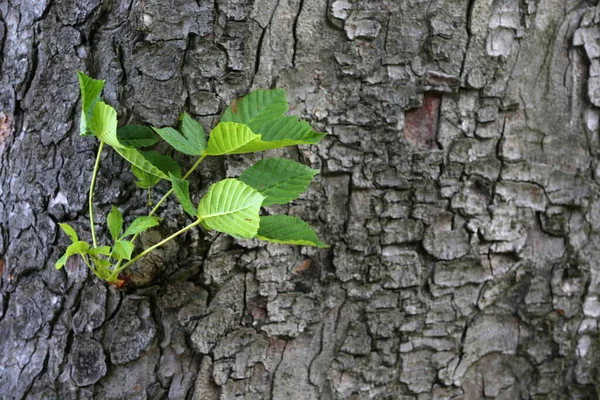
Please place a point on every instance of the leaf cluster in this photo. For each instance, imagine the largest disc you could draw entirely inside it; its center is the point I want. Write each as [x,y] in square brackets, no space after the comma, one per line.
[233,206]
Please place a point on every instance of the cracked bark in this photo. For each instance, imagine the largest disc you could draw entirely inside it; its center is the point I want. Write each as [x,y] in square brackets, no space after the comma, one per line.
[459,190]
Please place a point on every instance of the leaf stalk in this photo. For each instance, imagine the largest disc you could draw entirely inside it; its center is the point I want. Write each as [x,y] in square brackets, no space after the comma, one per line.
[91,195]
[118,269]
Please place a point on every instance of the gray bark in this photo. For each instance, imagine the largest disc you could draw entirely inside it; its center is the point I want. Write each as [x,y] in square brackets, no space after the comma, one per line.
[459,190]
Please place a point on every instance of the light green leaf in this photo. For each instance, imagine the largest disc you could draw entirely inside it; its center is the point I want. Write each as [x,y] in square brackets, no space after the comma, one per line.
[230,206]
[136,136]
[141,224]
[192,144]
[288,131]
[278,179]
[61,261]
[78,247]
[104,250]
[163,162]
[115,223]
[181,187]
[136,158]
[104,124]
[90,94]
[145,180]
[232,138]
[192,129]
[257,108]
[287,230]
[102,267]
[69,231]
[122,250]
[102,264]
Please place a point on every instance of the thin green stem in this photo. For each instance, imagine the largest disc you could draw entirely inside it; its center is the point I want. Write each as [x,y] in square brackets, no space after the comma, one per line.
[118,267]
[162,200]
[90,266]
[149,249]
[91,197]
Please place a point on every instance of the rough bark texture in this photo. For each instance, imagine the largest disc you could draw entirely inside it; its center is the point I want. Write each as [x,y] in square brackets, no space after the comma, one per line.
[459,190]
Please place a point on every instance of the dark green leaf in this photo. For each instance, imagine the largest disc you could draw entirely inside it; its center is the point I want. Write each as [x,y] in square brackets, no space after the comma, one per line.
[287,230]
[122,250]
[278,179]
[257,108]
[136,136]
[115,223]
[90,94]
[181,187]
[140,225]
[163,162]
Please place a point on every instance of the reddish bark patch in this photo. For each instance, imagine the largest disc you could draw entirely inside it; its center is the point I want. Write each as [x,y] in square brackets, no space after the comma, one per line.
[303,266]
[2,267]
[257,308]
[234,106]
[4,126]
[276,345]
[421,124]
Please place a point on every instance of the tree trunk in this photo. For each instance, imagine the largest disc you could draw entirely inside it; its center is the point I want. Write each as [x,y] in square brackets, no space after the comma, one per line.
[458,189]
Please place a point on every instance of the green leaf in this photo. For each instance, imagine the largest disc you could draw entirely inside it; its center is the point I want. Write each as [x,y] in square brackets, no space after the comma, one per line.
[104,250]
[257,108]
[232,138]
[102,267]
[141,224]
[61,261]
[122,250]
[145,180]
[194,141]
[192,129]
[78,247]
[90,94]
[136,136]
[230,206]
[104,124]
[69,231]
[287,230]
[181,187]
[163,162]
[288,131]
[115,223]
[102,264]
[278,179]
[136,158]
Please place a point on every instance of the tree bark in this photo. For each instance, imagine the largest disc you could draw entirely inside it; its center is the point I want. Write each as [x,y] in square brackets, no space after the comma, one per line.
[458,189]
